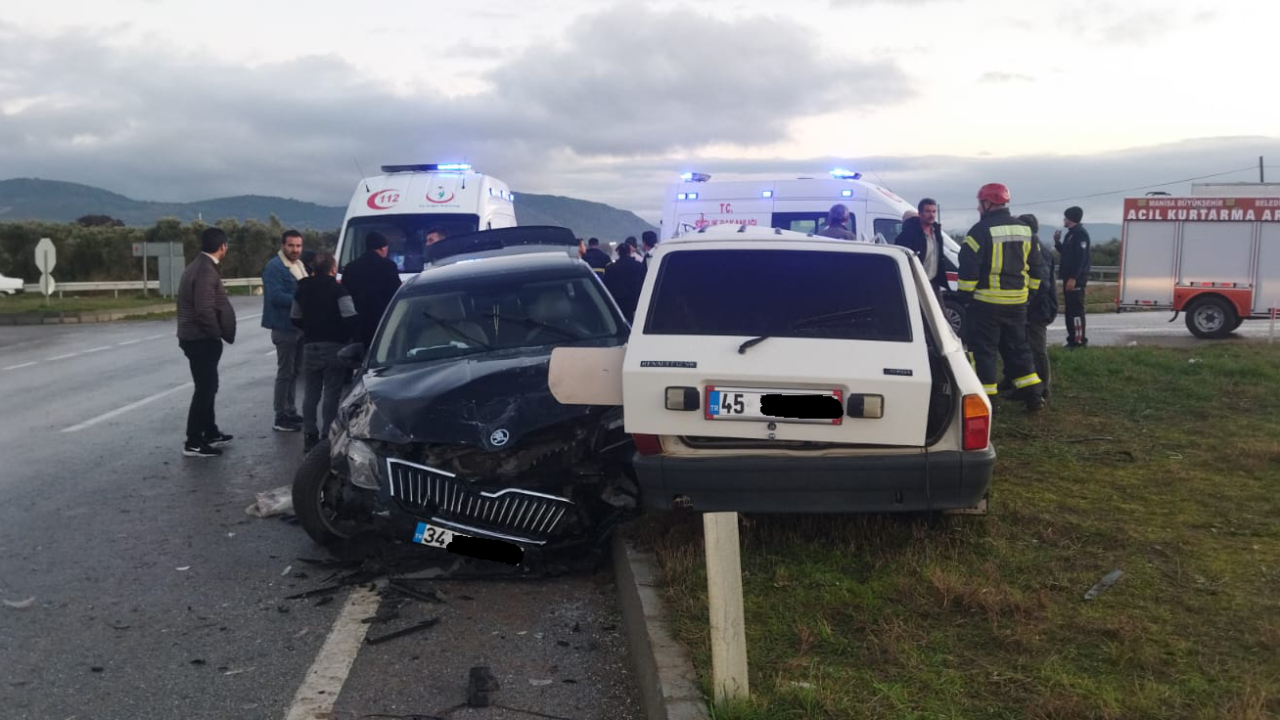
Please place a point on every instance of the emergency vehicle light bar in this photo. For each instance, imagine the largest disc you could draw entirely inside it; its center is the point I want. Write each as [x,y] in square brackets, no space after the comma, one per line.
[427,167]
[695,177]
[842,174]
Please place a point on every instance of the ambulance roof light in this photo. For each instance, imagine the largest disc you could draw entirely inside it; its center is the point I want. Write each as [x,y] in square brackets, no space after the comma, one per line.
[694,177]
[842,174]
[427,167]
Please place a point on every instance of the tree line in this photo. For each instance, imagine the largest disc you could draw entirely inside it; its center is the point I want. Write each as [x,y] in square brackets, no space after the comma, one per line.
[95,249]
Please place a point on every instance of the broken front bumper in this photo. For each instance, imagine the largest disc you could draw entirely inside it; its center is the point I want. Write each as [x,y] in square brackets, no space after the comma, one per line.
[863,484]
[411,493]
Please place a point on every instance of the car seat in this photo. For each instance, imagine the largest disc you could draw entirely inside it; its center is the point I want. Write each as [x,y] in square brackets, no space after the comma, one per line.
[448,309]
[551,306]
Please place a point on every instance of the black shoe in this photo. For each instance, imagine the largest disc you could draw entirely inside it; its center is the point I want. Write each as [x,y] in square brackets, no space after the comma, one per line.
[309,441]
[217,440]
[189,450]
[287,425]
[293,417]
[1035,404]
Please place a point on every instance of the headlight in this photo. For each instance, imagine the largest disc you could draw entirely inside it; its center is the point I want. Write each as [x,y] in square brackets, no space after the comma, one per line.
[362,464]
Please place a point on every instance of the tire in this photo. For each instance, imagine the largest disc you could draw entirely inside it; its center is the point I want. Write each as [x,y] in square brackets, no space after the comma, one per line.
[1239,322]
[955,316]
[1211,318]
[311,485]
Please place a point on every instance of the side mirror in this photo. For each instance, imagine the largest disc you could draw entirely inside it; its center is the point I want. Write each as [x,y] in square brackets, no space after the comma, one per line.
[352,356]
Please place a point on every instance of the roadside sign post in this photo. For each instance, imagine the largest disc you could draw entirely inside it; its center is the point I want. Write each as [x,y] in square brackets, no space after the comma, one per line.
[1271,334]
[724,599]
[46,259]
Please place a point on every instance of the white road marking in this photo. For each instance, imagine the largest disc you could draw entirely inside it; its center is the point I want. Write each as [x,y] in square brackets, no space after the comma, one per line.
[97,349]
[122,410]
[328,673]
[269,352]
[64,357]
[249,317]
[156,337]
[129,342]
[15,367]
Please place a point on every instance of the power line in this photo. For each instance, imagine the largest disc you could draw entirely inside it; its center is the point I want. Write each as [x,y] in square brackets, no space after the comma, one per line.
[1133,189]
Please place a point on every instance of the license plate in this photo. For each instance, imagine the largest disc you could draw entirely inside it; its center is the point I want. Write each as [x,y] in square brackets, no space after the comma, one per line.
[434,536]
[793,406]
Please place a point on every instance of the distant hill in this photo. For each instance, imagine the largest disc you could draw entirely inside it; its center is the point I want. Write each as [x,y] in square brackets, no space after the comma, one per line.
[35,199]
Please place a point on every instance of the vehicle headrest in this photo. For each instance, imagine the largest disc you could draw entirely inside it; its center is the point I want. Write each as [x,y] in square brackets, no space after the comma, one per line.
[448,307]
[550,305]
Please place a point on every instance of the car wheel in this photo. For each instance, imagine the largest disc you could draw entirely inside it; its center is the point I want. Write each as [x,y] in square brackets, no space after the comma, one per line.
[1211,318]
[1239,322]
[955,316]
[316,491]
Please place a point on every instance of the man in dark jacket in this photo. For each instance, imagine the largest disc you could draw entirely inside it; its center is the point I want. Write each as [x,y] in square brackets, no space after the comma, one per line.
[1042,310]
[838,224]
[372,280]
[595,257]
[205,320]
[999,266]
[648,241]
[624,279]
[324,312]
[923,236]
[279,281]
[1076,254]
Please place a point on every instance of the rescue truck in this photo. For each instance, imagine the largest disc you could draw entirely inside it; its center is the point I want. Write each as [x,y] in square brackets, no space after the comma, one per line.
[1214,256]
[407,201]
[799,205]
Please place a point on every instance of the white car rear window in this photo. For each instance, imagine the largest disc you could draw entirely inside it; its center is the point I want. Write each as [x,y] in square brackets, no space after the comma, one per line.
[780,293]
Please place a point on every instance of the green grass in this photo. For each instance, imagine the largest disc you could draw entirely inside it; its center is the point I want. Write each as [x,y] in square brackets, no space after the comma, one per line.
[1162,463]
[1097,298]
[35,302]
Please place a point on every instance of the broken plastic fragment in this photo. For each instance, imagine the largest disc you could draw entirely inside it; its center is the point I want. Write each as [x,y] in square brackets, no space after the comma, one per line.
[20,604]
[539,683]
[1107,581]
[272,502]
[184,568]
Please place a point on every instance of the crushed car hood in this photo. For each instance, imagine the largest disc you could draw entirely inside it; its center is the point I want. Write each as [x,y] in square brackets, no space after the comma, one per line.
[488,401]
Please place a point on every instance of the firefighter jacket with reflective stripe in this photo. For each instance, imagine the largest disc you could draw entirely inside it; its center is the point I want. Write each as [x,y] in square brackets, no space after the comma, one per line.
[999,261]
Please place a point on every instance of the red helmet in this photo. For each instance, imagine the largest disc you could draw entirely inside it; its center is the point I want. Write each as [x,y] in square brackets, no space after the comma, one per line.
[994,193]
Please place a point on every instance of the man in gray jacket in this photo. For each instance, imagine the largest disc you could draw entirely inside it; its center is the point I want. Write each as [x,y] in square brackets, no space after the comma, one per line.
[279,282]
[205,320]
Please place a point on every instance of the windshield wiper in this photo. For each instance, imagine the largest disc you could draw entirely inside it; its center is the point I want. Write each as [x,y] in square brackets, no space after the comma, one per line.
[453,328]
[806,322]
[527,321]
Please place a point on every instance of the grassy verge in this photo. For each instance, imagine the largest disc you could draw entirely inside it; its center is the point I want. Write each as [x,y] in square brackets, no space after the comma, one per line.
[1162,463]
[35,302]
[1097,298]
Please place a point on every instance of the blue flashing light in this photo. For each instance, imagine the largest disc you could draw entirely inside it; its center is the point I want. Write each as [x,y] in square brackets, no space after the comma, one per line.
[766,193]
[842,174]
[693,196]
[846,193]
[511,196]
[453,167]
[686,177]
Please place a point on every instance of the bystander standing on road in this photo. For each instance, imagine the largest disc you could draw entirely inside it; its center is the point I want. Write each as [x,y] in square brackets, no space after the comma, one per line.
[649,239]
[324,312]
[595,257]
[205,320]
[279,282]
[922,234]
[308,259]
[1075,251]
[837,224]
[624,280]
[1042,310]
[372,279]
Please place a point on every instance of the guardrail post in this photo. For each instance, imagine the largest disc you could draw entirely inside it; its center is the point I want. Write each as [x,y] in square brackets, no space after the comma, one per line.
[724,600]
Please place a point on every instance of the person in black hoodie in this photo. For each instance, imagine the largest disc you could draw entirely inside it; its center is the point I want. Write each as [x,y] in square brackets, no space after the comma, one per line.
[624,279]
[595,257]
[372,279]
[1076,254]
[323,310]
[1042,310]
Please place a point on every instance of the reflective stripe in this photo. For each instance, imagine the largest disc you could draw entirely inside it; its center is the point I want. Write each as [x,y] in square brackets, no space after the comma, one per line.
[1027,381]
[973,362]
[991,389]
[967,285]
[1001,297]
[973,244]
[997,265]
[1010,233]
[1033,283]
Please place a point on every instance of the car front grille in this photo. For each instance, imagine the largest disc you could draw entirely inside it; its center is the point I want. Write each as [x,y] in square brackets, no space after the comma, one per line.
[511,513]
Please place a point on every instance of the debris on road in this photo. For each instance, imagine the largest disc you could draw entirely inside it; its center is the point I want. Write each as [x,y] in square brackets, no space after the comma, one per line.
[288,569]
[1107,581]
[184,568]
[401,633]
[480,683]
[272,502]
[540,683]
[21,604]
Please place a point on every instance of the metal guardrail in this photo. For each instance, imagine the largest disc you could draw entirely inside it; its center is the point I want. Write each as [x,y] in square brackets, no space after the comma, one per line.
[1105,272]
[117,285]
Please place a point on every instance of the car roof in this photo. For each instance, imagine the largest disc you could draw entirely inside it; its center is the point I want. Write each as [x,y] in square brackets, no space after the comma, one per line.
[709,238]
[550,262]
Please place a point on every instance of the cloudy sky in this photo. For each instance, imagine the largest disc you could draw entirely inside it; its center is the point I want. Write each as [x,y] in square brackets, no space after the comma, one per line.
[1061,99]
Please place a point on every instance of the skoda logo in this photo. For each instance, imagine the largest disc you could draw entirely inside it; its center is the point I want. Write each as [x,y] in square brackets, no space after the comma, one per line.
[499,437]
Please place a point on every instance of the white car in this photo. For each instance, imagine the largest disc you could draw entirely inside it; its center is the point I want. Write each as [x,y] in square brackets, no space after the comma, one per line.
[772,371]
[9,286]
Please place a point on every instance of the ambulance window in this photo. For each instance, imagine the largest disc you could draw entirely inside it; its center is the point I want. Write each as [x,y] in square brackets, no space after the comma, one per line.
[807,222]
[889,228]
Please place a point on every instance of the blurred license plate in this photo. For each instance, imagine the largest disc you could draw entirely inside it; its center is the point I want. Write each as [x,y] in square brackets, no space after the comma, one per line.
[432,535]
[760,404]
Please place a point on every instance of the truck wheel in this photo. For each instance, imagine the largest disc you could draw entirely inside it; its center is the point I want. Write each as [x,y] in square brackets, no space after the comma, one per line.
[955,316]
[1212,318]
[1239,322]
[316,491]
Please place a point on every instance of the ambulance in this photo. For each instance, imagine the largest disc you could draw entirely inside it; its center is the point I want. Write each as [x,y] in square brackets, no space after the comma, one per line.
[407,201]
[799,205]
[1214,256]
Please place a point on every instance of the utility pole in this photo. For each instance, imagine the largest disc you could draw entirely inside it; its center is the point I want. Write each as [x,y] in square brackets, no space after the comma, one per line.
[1262,177]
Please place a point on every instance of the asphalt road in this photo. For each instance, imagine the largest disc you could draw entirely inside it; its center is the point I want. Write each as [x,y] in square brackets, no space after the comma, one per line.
[1150,328]
[156,596]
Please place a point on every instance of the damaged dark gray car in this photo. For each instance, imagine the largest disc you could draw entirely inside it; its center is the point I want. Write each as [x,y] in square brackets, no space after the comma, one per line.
[450,430]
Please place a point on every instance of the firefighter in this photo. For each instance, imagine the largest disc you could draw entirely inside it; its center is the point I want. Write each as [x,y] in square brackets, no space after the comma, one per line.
[999,263]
